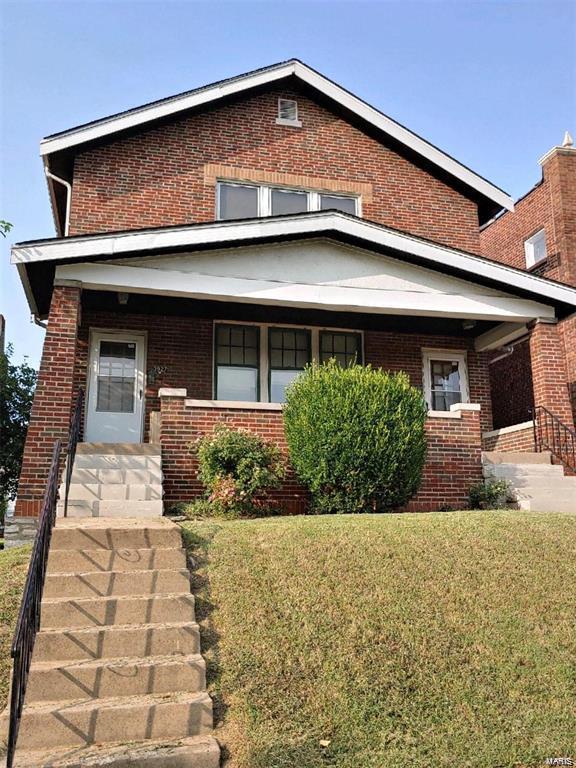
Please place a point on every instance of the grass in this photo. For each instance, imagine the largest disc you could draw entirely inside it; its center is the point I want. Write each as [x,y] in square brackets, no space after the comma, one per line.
[390,641]
[13,569]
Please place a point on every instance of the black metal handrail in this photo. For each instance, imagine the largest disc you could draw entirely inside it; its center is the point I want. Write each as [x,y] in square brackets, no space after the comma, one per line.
[551,434]
[29,615]
[75,426]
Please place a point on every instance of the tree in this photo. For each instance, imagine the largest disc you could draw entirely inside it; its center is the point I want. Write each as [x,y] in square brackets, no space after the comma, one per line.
[17,383]
[5,227]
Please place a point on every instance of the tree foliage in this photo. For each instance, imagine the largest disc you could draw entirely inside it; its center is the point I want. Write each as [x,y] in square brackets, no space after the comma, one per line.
[17,383]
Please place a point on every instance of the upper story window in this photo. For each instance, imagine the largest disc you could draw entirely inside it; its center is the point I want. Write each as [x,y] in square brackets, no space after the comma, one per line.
[535,249]
[288,113]
[246,201]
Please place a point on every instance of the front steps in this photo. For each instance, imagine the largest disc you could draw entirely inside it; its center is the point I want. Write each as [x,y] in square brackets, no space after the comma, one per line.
[115,480]
[117,678]
[538,485]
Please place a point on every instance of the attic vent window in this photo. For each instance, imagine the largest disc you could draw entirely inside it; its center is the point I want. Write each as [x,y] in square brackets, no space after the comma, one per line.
[288,113]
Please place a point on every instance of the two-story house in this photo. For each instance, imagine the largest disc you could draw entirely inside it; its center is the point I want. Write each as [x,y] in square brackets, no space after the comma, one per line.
[212,244]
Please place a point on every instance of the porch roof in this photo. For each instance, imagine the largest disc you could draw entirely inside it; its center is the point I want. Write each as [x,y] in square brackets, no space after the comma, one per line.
[37,262]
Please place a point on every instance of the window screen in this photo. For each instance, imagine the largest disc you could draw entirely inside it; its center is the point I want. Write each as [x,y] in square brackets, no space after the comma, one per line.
[116,377]
[345,204]
[237,362]
[343,347]
[287,201]
[289,351]
[238,201]
[446,384]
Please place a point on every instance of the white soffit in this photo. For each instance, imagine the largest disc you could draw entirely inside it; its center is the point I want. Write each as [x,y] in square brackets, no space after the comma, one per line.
[235,233]
[161,109]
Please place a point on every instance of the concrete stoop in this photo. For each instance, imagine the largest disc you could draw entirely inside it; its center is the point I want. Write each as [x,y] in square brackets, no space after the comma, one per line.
[117,678]
[115,480]
[538,485]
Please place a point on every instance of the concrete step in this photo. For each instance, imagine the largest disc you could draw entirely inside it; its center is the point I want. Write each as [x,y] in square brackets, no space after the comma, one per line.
[190,752]
[515,457]
[45,725]
[112,491]
[81,644]
[137,476]
[80,561]
[109,508]
[119,449]
[117,461]
[111,533]
[533,470]
[70,613]
[549,501]
[109,678]
[114,583]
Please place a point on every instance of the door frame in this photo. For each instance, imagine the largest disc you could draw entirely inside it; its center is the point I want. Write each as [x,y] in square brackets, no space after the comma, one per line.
[143,336]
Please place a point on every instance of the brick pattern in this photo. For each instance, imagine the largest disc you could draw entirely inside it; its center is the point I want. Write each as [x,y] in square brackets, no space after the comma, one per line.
[453,462]
[521,440]
[53,400]
[549,371]
[511,385]
[157,177]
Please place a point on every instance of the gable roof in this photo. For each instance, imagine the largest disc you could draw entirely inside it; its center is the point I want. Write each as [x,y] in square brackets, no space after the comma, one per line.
[493,198]
[33,258]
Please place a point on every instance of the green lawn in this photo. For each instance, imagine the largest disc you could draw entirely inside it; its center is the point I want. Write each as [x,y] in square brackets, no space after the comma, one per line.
[422,640]
[13,570]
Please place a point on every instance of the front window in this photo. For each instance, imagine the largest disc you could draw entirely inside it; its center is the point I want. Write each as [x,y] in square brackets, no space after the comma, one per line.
[345,348]
[445,381]
[237,362]
[245,201]
[289,354]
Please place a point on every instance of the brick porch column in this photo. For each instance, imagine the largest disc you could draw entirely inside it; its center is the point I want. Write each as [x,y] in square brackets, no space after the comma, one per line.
[53,400]
[549,371]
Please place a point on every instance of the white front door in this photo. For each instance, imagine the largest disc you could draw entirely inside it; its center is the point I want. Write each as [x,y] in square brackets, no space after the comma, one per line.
[115,388]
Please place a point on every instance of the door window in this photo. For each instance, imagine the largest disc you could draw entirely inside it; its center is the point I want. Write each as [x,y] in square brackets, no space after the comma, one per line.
[116,377]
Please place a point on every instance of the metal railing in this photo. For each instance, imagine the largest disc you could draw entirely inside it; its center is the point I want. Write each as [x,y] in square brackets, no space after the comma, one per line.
[29,616]
[551,434]
[75,427]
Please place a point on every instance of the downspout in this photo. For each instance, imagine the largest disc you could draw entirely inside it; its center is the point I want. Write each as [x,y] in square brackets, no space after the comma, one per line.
[68,186]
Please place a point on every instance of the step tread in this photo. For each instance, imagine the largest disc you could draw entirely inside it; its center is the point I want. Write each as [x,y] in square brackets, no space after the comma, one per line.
[57,574]
[134,753]
[117,627]
[115,702]
[118,661]
[98,598]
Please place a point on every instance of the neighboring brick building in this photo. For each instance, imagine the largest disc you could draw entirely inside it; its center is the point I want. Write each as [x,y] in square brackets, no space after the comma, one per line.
[212,244]
[538,236]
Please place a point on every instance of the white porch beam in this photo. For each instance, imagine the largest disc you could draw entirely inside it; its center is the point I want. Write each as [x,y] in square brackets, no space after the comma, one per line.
[108,277]
[500,336]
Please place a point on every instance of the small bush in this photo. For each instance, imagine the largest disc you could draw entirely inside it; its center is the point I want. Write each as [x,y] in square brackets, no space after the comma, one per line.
[356,437]
[491,494]
[237,468]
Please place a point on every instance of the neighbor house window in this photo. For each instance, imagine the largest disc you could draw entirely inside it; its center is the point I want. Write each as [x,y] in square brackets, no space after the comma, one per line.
[345,348]
[237,362]
[445,380]
[244,201]
[535,249]
[288,113]
[289,354]
[258,362]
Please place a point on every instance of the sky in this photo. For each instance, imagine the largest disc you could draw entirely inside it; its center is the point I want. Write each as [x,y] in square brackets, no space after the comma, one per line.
[492,83]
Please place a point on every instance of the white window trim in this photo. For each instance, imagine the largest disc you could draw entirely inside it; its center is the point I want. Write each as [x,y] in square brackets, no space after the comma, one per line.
[529,249]
[444,354]
[265,196]
[264,363]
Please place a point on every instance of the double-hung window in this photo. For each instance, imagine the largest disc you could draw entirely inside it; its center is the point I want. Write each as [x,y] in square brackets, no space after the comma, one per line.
[289,354]
[445,379]
[345,348]
[237,362]
[535,249]
[245,201]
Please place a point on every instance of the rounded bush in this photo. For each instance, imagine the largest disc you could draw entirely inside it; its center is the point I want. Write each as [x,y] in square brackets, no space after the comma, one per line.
[356,437]
[237,468]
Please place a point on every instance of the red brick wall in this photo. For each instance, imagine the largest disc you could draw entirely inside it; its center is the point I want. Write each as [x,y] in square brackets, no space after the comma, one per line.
[452,465]
[156,178]
[511,384]
[53,400]
[522,441]
[549,371]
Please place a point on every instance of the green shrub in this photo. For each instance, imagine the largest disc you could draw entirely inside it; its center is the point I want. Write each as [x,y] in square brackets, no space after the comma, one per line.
[491,494]
[237,468]
[356,437]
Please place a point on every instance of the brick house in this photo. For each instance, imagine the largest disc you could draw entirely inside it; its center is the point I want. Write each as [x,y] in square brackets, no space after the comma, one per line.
[539,236]
[211,244]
